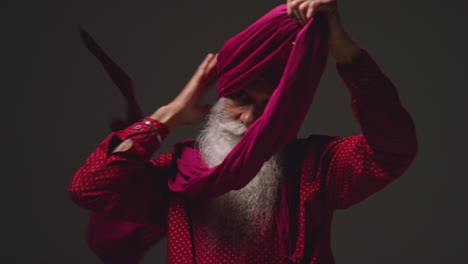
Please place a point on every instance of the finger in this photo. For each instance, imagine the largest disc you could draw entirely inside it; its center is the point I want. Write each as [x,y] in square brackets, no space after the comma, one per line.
[190,88]
[311,11]
[205,84]
[298,17]
[205,62]
[209,75]
[302,8]
[201,86]
[289,5]
[200,83]
[295,11]
[211,64]
[199,73]
[202,67]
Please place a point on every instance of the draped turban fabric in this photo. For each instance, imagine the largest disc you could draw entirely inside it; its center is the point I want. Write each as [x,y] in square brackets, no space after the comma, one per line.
[263,47]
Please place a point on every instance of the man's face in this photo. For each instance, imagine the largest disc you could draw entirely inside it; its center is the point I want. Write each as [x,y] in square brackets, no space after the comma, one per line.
[248,104]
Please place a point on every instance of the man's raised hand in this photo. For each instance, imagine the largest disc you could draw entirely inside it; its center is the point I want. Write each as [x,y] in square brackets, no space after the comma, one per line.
[187,107]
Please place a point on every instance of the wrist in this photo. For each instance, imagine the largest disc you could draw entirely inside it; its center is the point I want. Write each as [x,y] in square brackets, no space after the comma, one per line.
[334,23]
[160,129]
[168,116]
[343,48]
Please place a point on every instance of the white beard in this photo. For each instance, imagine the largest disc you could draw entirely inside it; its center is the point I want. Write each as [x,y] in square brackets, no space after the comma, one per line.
[250,211]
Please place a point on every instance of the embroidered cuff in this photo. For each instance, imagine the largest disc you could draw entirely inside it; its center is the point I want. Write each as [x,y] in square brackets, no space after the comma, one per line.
[160,129]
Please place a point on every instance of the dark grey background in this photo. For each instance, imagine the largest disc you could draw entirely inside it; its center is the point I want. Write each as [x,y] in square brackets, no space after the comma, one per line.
[56,100]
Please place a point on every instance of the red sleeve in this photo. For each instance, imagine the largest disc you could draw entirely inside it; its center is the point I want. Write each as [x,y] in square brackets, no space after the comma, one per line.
[126,184]
[118,241]
[358,166]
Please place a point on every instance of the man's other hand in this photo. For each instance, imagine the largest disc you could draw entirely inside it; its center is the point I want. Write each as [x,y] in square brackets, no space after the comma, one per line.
[303,10]
[341,46]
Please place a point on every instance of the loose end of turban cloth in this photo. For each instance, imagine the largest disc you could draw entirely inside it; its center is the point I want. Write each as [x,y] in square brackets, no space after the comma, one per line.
[121,80]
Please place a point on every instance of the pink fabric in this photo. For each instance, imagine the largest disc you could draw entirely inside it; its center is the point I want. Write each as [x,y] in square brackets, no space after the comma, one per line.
[287,106]
[262,48]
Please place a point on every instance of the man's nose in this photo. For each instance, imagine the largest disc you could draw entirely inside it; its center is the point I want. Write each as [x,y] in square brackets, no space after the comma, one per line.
[252,113]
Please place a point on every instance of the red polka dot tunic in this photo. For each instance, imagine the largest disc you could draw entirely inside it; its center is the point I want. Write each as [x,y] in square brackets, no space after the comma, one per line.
[132,207]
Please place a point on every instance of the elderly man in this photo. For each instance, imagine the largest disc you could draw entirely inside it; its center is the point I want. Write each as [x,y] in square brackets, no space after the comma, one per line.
[248,191]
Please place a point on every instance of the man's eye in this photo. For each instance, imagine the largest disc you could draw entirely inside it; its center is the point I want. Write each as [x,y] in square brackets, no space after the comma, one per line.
[239,96]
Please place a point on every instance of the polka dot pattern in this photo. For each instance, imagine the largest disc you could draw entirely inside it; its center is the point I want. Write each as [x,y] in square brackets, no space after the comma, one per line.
[179,241]
[260,248]
[355,171]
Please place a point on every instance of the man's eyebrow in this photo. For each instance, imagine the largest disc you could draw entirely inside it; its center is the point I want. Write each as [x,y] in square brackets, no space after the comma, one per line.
[236,94]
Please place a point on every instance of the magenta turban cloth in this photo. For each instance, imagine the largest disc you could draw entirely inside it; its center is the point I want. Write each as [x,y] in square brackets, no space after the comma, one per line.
[263,47]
